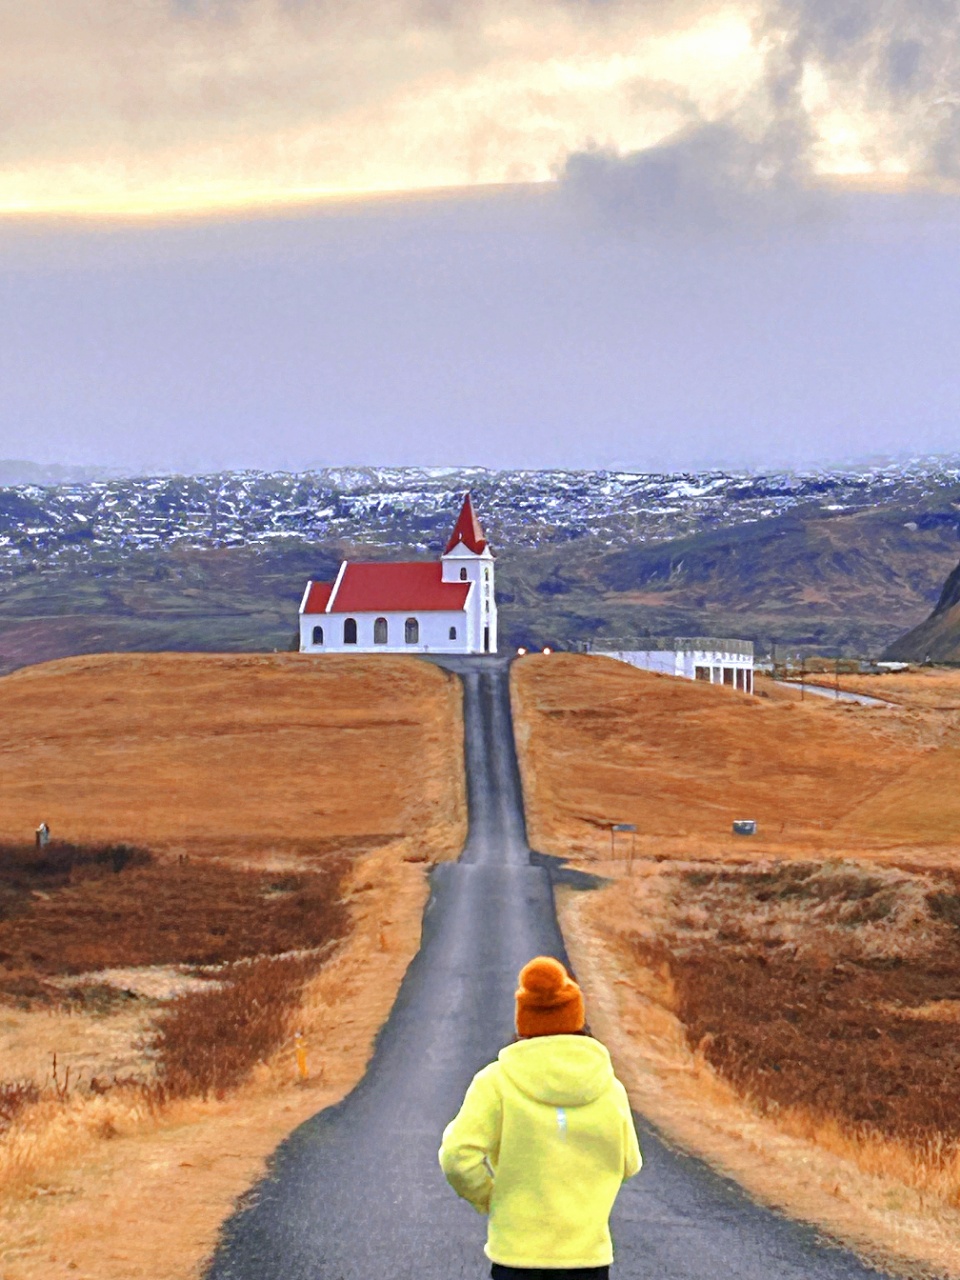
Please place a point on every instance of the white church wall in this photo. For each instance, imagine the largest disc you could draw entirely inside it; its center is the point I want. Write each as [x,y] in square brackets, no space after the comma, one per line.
[487,603]
[434,633]
[482,602]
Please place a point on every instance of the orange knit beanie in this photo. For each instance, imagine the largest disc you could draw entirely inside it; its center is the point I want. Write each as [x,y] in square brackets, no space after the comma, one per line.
[549,1002]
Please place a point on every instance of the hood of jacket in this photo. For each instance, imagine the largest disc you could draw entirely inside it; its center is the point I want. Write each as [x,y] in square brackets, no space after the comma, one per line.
[563,1071]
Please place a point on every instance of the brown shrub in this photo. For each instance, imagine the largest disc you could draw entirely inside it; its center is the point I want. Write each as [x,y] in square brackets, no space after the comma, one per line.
[26,871]
[946,906]
[16,1096]
[209,1041]
[113,906]
[118,907]
[788,1033]
[801,985]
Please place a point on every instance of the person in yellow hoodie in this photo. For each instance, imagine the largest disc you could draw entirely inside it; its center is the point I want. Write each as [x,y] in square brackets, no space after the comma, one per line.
[544,1139]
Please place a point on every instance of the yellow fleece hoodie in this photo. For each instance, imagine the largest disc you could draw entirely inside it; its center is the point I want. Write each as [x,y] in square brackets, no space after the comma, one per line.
[542,1143]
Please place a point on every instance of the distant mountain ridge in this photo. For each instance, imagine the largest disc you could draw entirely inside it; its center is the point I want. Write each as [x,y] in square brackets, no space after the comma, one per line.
[411,506]
[844,559]
[937,639]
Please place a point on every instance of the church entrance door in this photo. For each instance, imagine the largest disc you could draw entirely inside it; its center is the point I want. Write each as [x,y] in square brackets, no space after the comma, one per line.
[486,639]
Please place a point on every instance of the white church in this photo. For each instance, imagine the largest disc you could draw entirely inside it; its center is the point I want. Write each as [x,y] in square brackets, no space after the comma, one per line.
[413,607]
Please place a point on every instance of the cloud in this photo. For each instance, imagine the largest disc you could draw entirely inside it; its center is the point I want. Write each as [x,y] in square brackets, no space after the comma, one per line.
[178,103]
[168,104]
[712,176]
[892,67]
[855,86]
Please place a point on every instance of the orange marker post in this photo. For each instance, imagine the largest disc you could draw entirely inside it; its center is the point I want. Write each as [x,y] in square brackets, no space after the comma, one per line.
[300,1049]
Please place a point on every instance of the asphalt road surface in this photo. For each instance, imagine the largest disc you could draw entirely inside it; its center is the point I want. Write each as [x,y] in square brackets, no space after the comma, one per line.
[356,1192]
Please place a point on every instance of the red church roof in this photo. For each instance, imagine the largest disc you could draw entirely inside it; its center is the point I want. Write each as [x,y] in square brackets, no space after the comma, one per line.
[318,593]
[467,529]
[387,588]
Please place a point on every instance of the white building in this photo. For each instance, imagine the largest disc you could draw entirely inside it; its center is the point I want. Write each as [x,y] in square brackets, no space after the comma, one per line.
[728,662]
[418,607]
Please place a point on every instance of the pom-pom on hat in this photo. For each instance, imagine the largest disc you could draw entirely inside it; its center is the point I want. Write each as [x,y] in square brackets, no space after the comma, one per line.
[549,1002]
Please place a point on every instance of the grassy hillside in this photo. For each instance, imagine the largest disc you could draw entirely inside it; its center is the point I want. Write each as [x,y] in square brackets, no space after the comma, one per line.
[245,752]
[937,638]
[607,743]
[223,599]
[853,581]
[845,581]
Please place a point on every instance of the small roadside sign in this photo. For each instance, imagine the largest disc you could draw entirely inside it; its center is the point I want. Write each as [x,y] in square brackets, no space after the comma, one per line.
[630,828]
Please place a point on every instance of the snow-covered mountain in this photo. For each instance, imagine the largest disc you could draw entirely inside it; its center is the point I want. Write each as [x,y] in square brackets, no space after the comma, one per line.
[412,508]
[842,560]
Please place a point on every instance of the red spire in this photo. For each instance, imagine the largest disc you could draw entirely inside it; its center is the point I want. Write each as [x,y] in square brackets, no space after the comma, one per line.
[467,530]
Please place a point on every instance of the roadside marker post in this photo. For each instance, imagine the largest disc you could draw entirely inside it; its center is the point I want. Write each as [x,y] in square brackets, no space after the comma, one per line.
[300,1050]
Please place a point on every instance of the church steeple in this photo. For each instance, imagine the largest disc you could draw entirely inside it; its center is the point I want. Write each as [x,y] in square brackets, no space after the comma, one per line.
[467,530]
[468,558]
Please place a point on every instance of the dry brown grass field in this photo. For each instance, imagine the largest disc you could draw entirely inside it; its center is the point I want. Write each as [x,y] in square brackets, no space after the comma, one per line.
[253,753]
[237,841]
[927,688]
[605,743]
[785,1004]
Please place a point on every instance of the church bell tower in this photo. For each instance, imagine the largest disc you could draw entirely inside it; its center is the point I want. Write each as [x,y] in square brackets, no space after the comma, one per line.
[468,558]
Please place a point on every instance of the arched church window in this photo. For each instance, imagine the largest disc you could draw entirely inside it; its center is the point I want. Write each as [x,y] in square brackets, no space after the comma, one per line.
[411,631]
[463,575]
[453,633]
[349,631]
[318,635]
[486,575]
[380,631]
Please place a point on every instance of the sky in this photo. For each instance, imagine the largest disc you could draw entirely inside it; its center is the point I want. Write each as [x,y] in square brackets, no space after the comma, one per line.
[534,233]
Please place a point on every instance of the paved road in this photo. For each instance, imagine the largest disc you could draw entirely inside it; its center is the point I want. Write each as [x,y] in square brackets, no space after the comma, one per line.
[838,695]
[356,1192]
